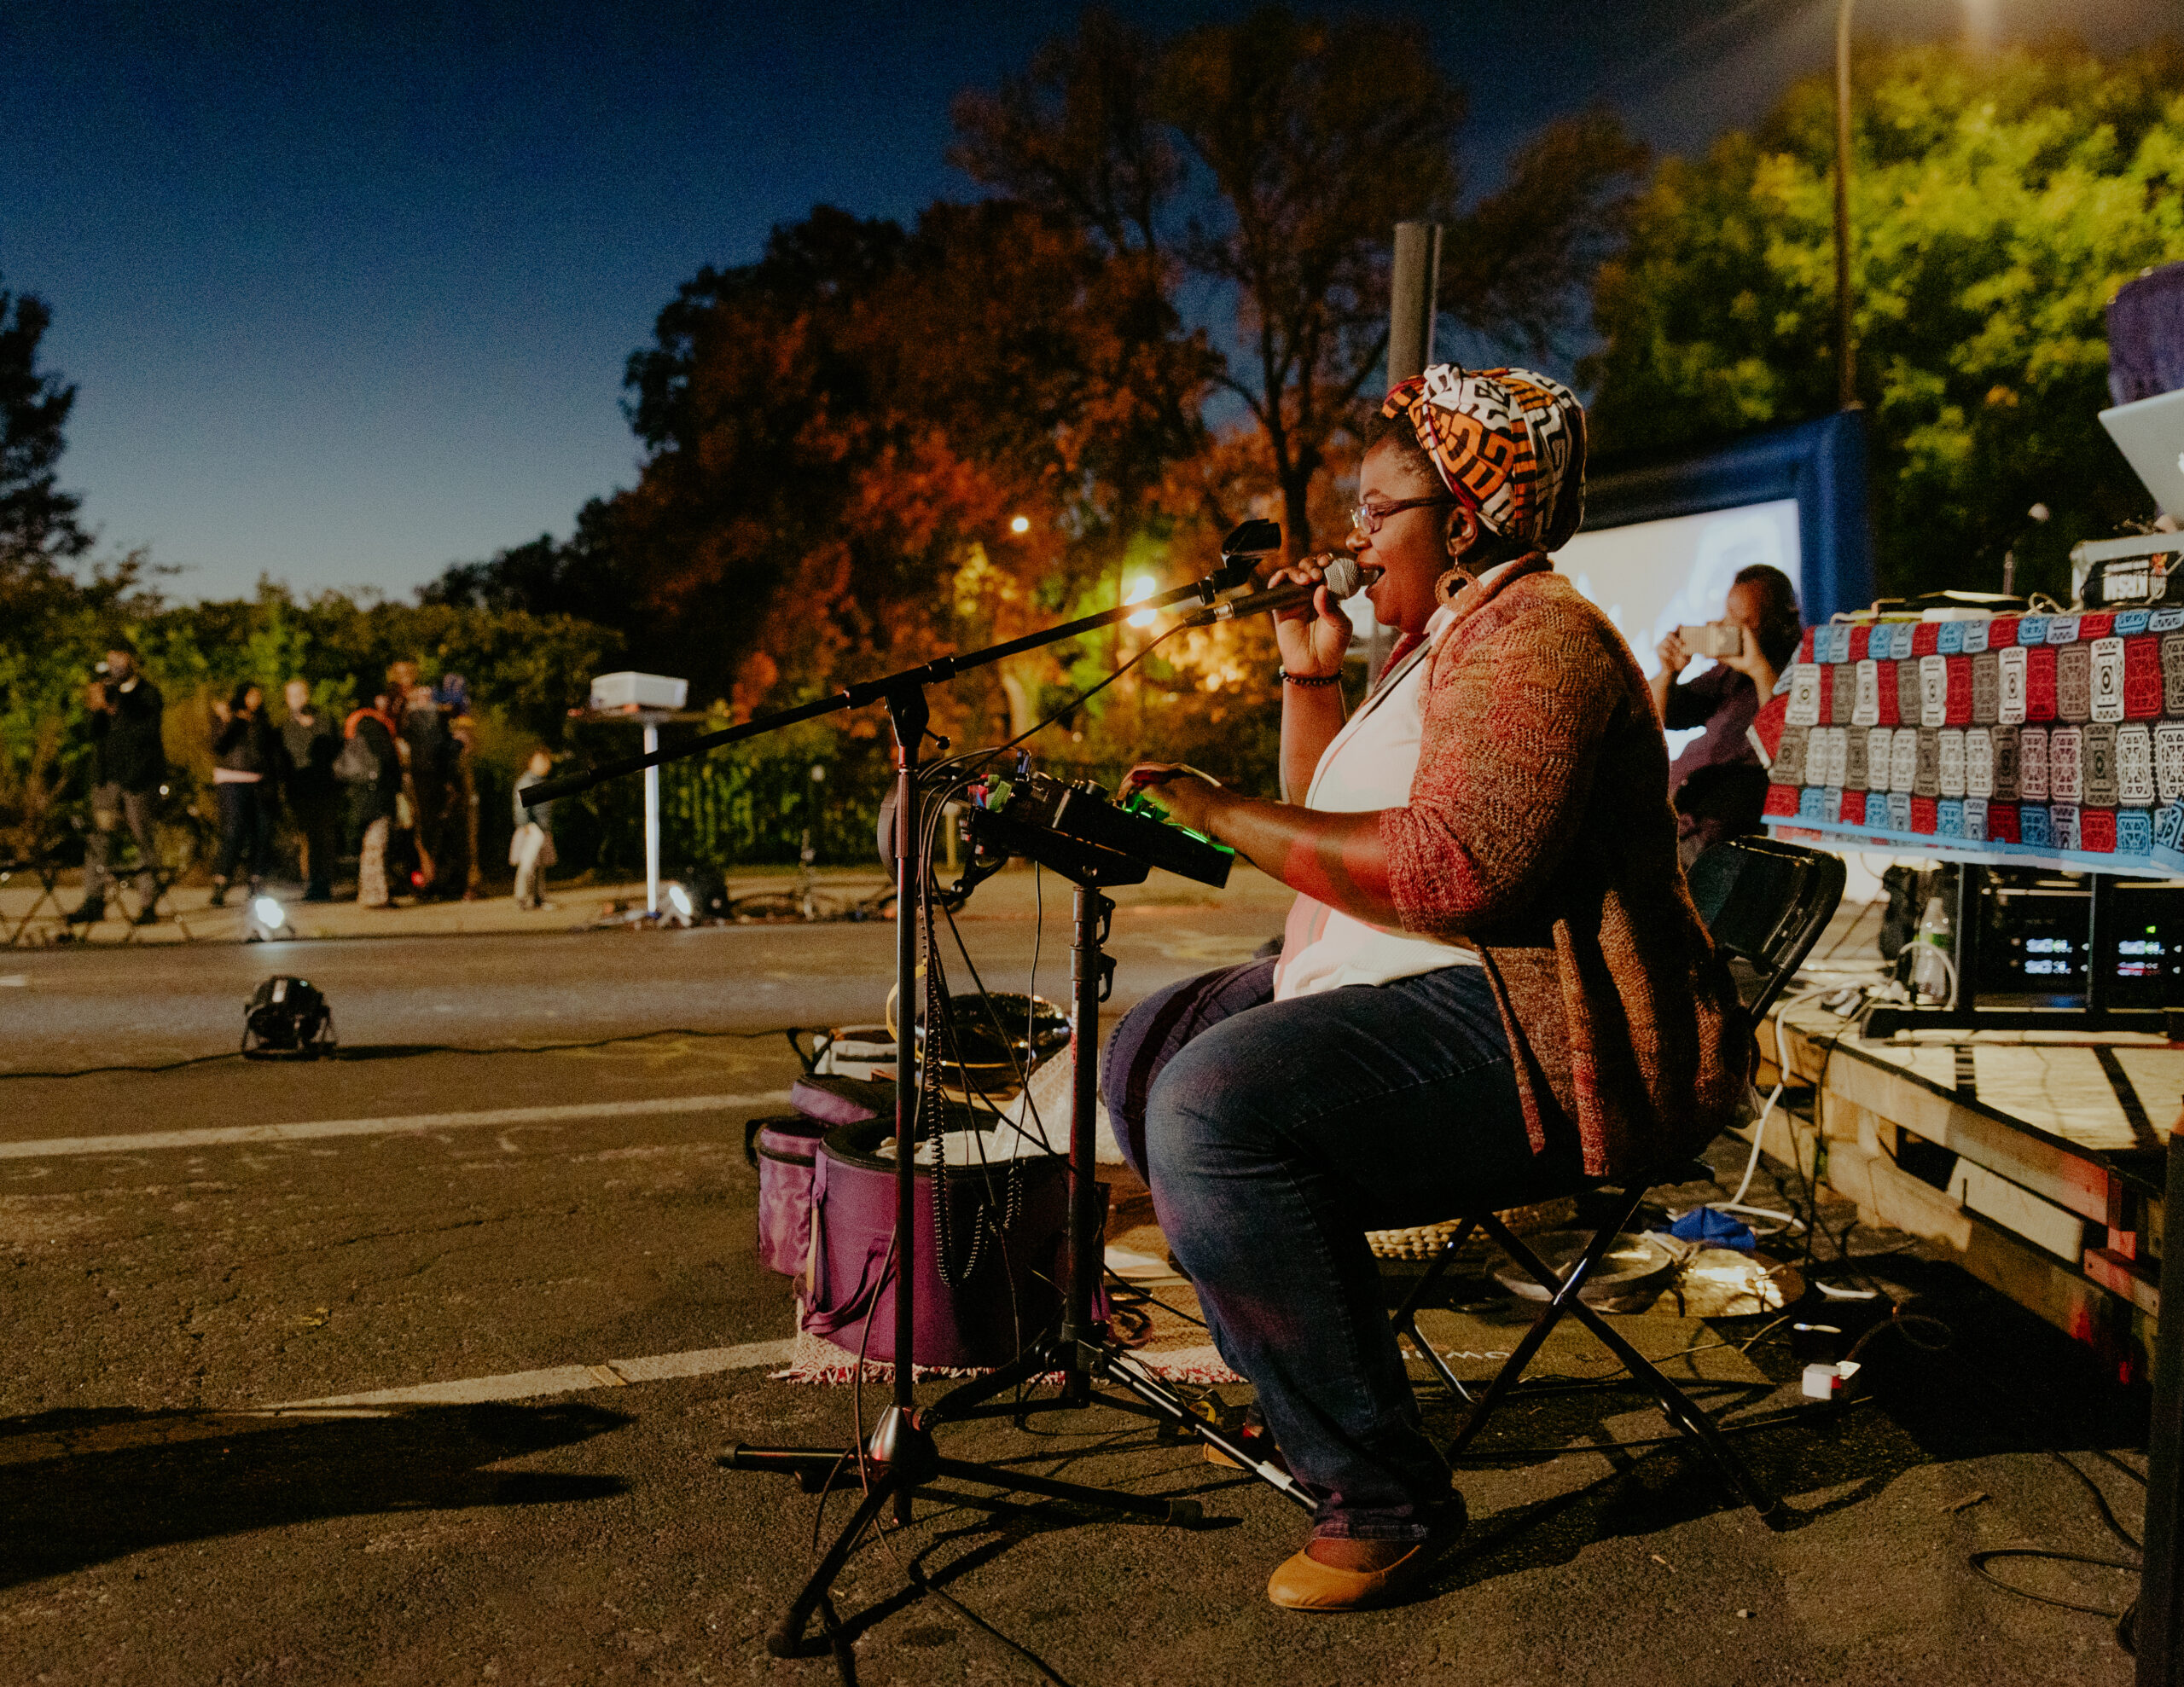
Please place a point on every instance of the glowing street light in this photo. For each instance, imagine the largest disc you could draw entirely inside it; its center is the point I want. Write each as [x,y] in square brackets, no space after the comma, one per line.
[1022,523]
[1140,589]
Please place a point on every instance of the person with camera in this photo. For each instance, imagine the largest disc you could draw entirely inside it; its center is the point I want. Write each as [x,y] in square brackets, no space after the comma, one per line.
[243,756]
[1717,782]
[129,765]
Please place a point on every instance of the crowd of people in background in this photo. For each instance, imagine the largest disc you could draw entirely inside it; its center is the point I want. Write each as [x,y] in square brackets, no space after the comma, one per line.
[393,783]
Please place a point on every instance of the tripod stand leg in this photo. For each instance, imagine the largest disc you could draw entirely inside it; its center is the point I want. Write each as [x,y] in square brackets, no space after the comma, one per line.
[787,1640]
[1099,1499]
[1126,1374]
[1042,1359]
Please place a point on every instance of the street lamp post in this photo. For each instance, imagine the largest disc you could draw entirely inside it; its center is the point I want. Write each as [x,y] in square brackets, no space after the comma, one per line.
[1846,389]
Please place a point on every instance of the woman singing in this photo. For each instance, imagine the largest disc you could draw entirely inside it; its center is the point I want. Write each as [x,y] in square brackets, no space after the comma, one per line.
[1493,987]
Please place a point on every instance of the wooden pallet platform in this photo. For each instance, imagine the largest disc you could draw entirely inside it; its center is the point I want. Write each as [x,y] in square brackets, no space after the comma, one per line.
[2035,1157]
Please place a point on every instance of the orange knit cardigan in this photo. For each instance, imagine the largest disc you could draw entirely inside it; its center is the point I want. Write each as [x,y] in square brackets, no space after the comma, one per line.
[1539,832]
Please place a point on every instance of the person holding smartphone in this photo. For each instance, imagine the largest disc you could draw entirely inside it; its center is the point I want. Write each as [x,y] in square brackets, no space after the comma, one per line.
[1717,783]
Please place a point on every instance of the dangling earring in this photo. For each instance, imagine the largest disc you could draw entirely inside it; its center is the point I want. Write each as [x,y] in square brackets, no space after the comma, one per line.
[1451,584]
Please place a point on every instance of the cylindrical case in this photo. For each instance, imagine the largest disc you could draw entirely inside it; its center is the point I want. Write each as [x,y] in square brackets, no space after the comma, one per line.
[783,1149]
[980,1321]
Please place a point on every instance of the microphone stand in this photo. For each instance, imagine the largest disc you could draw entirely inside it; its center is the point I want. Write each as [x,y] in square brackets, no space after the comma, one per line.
[901,1458]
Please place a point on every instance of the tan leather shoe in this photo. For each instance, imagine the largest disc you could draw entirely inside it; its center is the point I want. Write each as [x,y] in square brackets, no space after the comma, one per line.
[1379,1572]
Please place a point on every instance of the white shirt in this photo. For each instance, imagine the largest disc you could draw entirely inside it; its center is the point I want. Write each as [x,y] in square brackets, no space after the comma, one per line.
[1369,765]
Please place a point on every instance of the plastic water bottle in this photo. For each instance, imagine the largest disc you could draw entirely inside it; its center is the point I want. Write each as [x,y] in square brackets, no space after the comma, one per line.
[1933,950]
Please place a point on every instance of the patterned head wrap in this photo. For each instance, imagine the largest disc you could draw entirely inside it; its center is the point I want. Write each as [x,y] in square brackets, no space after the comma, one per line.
[1509,443]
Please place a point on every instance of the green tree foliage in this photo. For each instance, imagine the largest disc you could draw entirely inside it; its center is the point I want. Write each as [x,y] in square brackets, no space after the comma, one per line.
[1997,201]
[38,520]
[1270,160]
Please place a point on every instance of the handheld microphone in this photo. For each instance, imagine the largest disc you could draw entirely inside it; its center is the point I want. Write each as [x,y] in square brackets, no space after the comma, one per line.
[1343,578]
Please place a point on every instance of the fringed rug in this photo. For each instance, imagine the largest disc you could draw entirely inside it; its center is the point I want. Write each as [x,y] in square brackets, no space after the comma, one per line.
[816,1359]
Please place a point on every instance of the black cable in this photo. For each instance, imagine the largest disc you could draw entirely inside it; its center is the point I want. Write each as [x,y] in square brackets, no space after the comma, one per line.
[1979,1561]
[981,759]
[1849,931]
[432,1049]
[1799,1414]
[2100,1504]
[1144,1294]
[2106,1457]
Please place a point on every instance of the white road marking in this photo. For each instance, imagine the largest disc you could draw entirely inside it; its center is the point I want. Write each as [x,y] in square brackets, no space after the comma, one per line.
[225,1135]
[561,1379]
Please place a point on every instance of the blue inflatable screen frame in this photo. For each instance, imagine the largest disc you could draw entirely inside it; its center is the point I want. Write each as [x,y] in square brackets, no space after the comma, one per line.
[1821,464]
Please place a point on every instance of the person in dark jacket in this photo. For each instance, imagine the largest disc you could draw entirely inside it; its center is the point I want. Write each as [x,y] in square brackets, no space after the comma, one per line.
[307,745]
[128,769]
[430,753]
[1717,782]
[244,761]
[369,731]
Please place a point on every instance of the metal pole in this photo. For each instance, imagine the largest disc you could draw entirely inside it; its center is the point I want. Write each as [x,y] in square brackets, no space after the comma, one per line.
[1088,1249]
[2155,1629]
[907,711]
[1413,288]
[652,823]
[1964,1000]
[1414,296]
[1846,388]
[2100,945]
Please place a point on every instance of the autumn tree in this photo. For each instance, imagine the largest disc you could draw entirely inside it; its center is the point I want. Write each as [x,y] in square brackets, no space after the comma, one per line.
[1268,162]
[840,436]
[1997,201]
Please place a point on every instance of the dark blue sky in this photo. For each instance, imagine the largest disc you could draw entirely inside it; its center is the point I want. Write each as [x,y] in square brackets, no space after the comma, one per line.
[348,289]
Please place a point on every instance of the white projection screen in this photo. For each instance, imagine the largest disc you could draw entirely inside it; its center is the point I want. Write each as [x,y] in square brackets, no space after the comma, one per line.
[1653,575]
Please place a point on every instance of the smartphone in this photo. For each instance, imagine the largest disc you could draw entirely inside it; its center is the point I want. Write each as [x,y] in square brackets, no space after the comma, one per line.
[1715,637]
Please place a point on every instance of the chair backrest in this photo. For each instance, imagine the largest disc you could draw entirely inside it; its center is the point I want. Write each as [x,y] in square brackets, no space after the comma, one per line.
[1766,903]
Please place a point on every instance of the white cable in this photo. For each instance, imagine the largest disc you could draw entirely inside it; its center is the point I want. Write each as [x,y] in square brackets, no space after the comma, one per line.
[1735,1203]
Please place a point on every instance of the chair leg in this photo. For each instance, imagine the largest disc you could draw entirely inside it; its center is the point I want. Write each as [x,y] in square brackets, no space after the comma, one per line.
[1563,1295]
[1675,1404]
[1405,1318]
[1693,1423]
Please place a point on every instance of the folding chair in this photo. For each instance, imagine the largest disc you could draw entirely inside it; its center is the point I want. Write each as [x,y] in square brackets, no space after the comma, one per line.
[1765,903]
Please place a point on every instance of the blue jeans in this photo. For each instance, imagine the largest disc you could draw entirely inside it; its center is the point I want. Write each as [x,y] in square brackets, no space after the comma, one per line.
[1273,1135]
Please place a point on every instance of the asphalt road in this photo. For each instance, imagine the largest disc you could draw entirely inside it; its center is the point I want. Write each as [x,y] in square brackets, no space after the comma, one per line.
[154,1530]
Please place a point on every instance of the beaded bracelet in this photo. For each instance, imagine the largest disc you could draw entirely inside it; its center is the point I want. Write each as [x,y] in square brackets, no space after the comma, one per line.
[1288,678]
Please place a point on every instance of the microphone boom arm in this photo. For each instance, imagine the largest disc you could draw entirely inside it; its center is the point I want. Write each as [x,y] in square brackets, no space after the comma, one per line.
[1238,551]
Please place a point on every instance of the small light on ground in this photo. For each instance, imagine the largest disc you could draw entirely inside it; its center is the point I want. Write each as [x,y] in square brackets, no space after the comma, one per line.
[681,900]
[1022,523]
[268,913]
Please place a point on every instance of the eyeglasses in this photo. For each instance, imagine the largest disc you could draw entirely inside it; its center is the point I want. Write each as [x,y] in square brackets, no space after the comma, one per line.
[1367,517]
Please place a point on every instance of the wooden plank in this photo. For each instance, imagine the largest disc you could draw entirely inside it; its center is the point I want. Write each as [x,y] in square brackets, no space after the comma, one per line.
[2047,1167]
[2019,1211]
[2113,1272]
[2053,1291]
